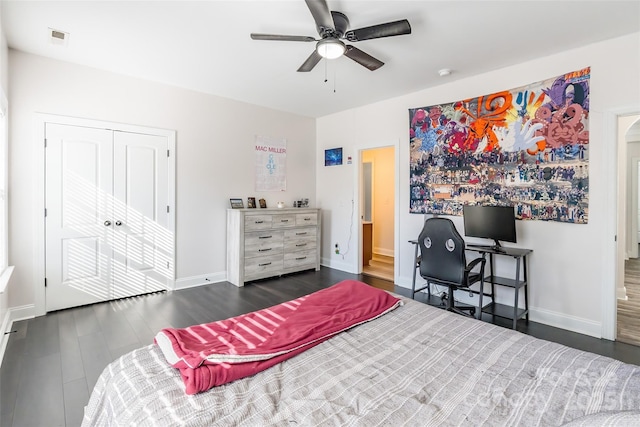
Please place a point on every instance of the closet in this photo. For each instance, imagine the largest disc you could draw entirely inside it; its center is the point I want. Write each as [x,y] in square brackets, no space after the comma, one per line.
[109,214]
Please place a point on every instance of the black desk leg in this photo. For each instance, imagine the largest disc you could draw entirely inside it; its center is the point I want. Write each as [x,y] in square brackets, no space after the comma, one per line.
[415,267]
[517,291]
[526,287]
[480,297]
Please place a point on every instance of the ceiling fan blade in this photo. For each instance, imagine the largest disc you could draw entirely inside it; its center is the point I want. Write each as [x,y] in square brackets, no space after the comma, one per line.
[311,62]
[321,14]
[362,58]
[389,29]
[282,38]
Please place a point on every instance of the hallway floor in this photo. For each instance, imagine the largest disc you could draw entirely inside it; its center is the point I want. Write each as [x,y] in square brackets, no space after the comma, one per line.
[629,310]
[380,266]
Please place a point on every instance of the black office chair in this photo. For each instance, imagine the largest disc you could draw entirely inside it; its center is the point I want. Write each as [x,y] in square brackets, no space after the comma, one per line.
[442,261]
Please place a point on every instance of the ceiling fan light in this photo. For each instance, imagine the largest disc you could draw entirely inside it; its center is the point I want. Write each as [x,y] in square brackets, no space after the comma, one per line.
[330,48]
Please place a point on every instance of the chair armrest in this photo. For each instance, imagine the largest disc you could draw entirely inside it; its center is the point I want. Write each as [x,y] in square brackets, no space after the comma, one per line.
[475,262]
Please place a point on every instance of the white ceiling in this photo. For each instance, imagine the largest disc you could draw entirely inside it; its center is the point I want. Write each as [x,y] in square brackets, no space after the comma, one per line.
[205,45]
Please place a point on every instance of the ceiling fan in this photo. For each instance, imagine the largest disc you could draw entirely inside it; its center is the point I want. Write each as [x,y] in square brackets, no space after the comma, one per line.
[332,27]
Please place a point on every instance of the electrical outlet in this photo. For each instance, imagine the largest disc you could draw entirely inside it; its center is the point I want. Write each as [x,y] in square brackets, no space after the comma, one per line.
[337,249]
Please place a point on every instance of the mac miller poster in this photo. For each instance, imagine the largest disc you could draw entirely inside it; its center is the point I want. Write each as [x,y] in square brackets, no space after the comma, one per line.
[526,147]
[271,164]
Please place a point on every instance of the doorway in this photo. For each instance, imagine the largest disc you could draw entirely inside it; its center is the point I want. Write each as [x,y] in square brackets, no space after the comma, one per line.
[377,216]
[628,303]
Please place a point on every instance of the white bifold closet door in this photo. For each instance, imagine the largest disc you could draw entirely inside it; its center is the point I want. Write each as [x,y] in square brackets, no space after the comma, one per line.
[106,215]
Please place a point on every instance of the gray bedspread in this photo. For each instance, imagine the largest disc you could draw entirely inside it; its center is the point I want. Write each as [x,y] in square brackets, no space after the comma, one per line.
[416,366]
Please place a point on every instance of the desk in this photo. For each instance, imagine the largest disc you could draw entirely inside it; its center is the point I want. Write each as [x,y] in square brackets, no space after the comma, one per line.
[501,310]
[493,308]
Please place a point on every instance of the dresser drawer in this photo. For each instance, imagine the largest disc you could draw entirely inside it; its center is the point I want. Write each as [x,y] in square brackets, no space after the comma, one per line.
[300,239]
[257,222]
[262,266]
[299,245]
[305,233]
[265,243]
[301,258]
[263,238]
[307,218]
[261,250]
[280,221]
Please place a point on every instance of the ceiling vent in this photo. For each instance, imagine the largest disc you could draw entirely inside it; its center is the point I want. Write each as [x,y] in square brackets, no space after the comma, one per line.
[58,37]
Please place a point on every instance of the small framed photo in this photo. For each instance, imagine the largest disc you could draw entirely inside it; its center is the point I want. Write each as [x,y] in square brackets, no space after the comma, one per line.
[236,203]
[251,202]
[333,157]
[263,203]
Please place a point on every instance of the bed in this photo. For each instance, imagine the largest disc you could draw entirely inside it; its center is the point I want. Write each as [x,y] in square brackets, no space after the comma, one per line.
[415,365]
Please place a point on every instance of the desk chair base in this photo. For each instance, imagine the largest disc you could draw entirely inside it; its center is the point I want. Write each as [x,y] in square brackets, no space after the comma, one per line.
[442,301]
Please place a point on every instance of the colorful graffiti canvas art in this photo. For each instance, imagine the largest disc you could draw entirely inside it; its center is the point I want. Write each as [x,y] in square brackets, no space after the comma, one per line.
[526,147]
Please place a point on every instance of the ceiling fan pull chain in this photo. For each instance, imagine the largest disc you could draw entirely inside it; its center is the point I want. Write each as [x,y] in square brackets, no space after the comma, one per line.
[325,70]
[335,73]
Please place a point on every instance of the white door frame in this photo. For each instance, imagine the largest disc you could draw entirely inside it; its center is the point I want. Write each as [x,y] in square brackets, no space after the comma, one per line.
[633,231]
[39,190]
[610,230]
[357,178]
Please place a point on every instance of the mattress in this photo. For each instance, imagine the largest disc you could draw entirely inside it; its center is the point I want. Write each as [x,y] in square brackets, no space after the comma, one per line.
[415,366]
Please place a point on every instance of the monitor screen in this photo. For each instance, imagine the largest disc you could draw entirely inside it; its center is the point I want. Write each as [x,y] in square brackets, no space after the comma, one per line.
[490,222]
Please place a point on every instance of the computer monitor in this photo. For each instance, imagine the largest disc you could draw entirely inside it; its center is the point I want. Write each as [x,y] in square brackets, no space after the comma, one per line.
[490,222]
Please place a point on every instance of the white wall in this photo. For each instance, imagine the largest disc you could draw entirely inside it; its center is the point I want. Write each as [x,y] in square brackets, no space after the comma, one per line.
[4,72]
[566,268]
[215,154]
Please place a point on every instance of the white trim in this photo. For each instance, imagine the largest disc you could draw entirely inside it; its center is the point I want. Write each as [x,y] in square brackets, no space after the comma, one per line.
[609,278]
[40,120]
[356,265]
[633,233]
[550,318]
[563,321]
[13,314]
[194,281]
[338,265]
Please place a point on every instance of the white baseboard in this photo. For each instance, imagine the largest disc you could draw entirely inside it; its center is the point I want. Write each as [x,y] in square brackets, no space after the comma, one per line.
[406,282]
[546,317]
[193,281]
[621,293]
[564,321]
[13,314]
[337,264]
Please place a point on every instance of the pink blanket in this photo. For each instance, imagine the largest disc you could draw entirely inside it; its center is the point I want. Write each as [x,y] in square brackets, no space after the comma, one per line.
[216,353]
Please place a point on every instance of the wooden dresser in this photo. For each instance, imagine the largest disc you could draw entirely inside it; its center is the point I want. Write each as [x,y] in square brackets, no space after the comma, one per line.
[271,242]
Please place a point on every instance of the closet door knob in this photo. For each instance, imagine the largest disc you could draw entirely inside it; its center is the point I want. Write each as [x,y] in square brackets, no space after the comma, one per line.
[107,223]
[118,223]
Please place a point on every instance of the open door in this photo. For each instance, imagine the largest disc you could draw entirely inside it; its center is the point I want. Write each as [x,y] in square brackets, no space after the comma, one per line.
[377,216]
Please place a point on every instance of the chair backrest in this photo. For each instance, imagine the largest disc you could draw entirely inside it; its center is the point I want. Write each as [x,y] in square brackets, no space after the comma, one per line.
[442,251]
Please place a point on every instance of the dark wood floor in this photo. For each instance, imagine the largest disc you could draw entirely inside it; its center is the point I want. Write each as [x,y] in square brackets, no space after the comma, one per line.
[629,309]
[52,362]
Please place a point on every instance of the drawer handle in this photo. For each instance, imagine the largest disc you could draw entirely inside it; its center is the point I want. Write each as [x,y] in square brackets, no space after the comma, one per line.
[259,222]
[266,263]
[301,234]
[284,220]
[301,258]
[264,250]
[264,237]
[307,219]
[301,244]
